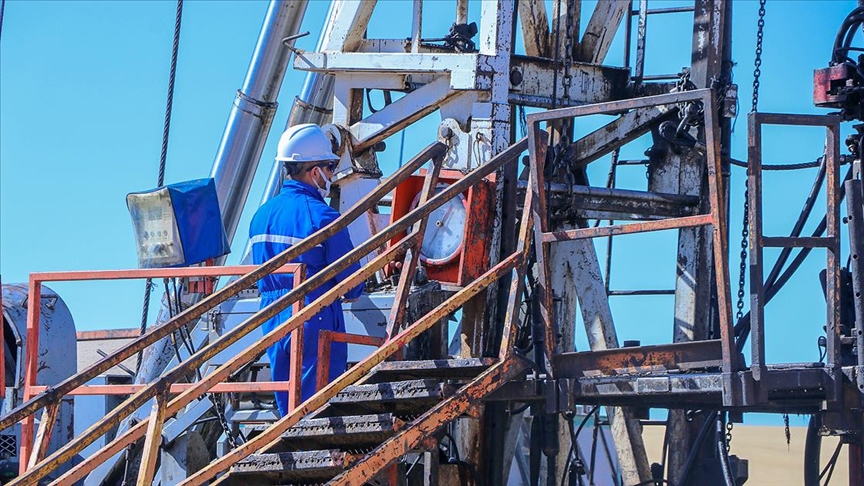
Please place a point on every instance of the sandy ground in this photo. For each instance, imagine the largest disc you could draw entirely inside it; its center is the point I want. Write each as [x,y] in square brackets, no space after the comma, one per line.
[771,462]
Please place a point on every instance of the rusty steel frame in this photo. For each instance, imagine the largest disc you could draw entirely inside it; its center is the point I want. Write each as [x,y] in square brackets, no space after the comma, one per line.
[272,434]
[132,403]
[176,388]
[412,258]
[153,441]
[424,426]
[393,345]
[326,338]
[33,318]
[226,369]
[716,217]
[469,395]
[155,334]
[758,241]
[677,356]
[25,411]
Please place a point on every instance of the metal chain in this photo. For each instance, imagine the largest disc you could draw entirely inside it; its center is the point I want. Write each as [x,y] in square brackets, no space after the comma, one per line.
[757,71]
[567,79]
[745,227]
[556,36]
[729,427]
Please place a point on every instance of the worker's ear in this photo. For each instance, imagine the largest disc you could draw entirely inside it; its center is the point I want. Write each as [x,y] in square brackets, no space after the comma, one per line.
[321,175]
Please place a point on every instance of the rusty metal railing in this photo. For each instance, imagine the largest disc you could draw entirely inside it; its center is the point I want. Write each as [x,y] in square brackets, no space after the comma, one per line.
[31,451]
[158,389]
[449,408]
[715,217]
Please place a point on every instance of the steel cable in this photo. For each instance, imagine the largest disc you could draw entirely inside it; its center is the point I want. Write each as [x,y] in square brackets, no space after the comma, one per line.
[796,166]
[148,285]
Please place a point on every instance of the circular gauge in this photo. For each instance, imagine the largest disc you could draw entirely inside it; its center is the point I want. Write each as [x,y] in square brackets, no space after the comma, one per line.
[445,230]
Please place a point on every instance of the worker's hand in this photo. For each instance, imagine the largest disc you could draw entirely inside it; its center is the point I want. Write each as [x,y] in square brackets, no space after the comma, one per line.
[349,300]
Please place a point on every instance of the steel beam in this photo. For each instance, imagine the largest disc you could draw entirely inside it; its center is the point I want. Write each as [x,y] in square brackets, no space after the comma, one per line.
[601,29]
[623,130]
[535,27]
[642,359]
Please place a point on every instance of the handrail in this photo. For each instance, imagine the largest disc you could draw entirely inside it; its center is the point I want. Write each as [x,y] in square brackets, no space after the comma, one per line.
[26,410]
[65,453]
[33,329]
[153,335]
[349,377]
[218,375]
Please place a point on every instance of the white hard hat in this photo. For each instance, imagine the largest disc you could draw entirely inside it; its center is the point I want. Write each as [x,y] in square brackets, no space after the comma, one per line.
[304,143]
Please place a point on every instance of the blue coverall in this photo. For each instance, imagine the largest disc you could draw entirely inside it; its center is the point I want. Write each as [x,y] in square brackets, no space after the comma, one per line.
[297,212]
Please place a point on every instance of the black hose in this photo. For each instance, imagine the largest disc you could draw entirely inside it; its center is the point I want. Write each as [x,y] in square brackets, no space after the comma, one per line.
[843,31]
[694,451]
[574,437]
[812,450]
[723,452]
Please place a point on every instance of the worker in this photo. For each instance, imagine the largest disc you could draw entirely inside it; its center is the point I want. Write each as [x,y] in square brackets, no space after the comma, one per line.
[298,211]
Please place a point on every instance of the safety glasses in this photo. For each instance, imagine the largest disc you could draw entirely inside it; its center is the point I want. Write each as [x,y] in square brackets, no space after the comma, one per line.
[331,164]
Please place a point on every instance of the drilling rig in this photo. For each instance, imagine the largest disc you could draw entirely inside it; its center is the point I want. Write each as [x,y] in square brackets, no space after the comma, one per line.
[480,257]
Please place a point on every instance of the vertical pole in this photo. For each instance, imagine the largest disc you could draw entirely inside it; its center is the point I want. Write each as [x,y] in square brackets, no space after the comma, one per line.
[154,436]
[696,307]
[856,463]
[295,391]
[490,131]
[855,215]
[718,213]
[628,33]
[412,258]
[430,468]
[461,11]
[416,26]
[757,289]
[325,338]
[43,435]
[538,210]
[295,394]
[31,358]
[642,31]
[832,277]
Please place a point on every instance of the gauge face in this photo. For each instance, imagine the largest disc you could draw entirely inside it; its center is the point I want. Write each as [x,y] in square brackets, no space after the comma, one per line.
[445,230]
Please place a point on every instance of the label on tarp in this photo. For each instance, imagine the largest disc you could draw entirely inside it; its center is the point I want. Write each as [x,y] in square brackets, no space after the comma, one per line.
[178,225]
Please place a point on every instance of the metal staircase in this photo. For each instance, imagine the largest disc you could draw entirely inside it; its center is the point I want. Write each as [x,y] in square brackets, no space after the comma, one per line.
[387,408]
[357,421]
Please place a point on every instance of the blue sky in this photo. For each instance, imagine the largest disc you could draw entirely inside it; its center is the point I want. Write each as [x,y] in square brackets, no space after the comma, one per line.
[82,96]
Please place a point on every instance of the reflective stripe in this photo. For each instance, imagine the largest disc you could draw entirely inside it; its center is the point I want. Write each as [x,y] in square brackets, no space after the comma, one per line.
[285,240]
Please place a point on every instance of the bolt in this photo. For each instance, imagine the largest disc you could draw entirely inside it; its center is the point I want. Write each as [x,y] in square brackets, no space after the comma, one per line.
[515,76]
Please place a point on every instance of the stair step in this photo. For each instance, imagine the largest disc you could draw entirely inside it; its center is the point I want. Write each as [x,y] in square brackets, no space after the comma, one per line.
[291,467]
[402,398]
[344,432]
[439,368]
